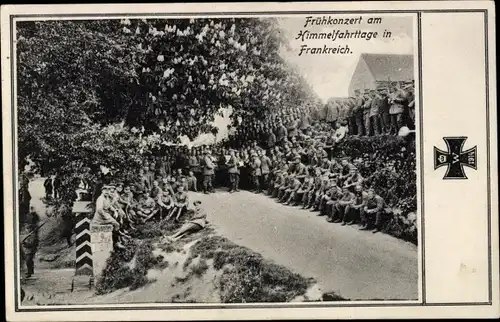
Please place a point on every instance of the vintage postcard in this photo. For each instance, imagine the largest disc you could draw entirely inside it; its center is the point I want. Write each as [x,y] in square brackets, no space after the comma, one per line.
[215,161]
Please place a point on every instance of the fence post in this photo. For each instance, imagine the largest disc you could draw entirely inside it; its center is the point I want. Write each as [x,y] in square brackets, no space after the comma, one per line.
[84,273]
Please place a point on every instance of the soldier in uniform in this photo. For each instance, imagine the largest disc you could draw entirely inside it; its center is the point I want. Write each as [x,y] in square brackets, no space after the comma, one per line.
[265,167]
[233,171]
[375,111]
[256,173]
[358,112]
[397,101]
[373,207]
[334,194]
[305,190]
[208,172]
[180,203]
[367,104]
[383,110]
[311,197]
[358,204]
[103,216]
[343,207]
[30,240]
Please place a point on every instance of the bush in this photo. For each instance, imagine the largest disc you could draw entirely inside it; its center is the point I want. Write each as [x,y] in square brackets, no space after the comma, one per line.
[199,268]
[248,277]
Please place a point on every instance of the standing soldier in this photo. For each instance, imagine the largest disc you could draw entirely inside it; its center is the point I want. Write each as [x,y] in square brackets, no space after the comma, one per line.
[383,111]
[410,89]
[332,112]
[256,172]
[375,111]
[397,102]
[30,241]
[208,172]
[234,171]
[358,112]
[265,167]
[57,186]
[24,197]
[194,163]
[271,139]
[281,131]
[47,184]
[367,104]
[350,103]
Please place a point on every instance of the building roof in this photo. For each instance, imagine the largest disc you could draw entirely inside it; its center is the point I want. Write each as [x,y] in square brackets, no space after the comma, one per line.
[389,66]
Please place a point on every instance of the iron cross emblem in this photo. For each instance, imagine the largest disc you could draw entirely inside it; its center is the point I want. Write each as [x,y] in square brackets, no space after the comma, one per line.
[455,159]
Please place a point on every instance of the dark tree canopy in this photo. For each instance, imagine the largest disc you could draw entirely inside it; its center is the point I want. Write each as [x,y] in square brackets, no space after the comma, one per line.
[157,79]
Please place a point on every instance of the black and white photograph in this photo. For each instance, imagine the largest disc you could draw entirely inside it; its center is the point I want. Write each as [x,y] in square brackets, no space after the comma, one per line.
[219,160]
[197,160]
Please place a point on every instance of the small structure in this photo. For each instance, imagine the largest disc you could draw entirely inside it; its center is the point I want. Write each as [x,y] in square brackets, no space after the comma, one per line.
[374,70]
[102,246]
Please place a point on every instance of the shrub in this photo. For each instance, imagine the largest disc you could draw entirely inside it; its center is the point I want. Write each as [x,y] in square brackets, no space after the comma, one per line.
[250,278]
[199,268]
[118,275]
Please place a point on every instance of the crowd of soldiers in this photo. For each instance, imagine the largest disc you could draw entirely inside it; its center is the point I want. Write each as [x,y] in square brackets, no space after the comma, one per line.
[290,156]
[148,198]
[383,110]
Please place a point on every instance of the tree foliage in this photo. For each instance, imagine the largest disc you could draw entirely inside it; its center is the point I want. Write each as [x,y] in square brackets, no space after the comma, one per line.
[159,77]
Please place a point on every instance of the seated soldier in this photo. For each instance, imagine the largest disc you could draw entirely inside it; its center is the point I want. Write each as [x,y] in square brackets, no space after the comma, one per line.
[303,193]
[312,193]
[325,197]
[278,181]
[146,206]
[103,215]
[166,203]
[155,190]
[127,204]
[179,175]
[335,167]
[192,182]
[319,194]
[334,195]
[195,224]
[180,203]
[284,187]
[373,207]
[166,185]
[291,192]
[357,205]
[174,184]
[343,207]
[114,206]
[354,179]
[184,183]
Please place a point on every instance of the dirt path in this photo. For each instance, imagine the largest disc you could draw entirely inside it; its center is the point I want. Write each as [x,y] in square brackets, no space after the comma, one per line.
[355,264]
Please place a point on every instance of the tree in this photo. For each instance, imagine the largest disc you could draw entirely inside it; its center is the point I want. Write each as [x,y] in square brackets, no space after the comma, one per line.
[77,79]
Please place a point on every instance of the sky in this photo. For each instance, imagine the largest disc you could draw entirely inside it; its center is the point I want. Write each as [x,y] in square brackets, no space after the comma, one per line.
[329,75]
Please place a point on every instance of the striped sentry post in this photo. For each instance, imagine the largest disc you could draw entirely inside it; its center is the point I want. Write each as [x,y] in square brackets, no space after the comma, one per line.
[83,263]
